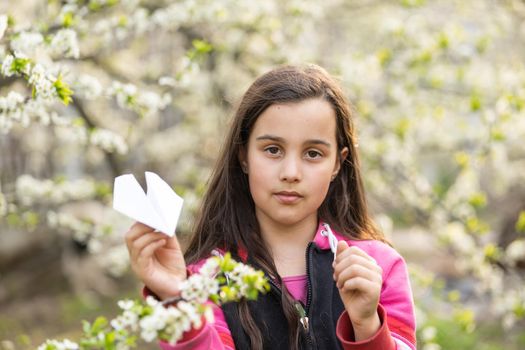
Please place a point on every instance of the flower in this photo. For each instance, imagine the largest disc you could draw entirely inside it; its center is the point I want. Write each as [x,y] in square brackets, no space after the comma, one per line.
[65,43]
[7,66]
[66,344]
[3,25]
[156,321]
[109,141]
[515,251]
[43,82]
[27,42]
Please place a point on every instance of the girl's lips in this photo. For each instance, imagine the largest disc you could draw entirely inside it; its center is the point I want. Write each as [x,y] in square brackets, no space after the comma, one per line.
[288,197]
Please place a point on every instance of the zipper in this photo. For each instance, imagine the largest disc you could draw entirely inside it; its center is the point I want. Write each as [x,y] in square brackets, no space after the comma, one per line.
[305,320]
[303,312]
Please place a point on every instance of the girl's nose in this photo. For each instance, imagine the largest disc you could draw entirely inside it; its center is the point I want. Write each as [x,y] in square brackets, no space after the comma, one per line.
[291,170]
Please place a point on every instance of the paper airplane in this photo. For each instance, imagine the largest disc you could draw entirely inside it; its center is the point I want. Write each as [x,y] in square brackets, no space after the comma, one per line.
[159,208]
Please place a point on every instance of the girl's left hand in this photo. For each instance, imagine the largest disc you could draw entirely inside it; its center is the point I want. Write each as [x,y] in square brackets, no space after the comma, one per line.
[359,279]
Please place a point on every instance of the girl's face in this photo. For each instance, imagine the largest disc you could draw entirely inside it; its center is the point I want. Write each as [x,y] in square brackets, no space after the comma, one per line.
[291,157]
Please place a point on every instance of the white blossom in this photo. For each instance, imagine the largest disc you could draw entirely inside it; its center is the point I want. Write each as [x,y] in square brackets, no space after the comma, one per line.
[167,81]
[65,43]
[3,25]
[515,251]
[31,190]
[65,344]
[6,66]
[209,268]
[88,87]
[27,42]
[42,82]
[81,229]
[198,287]
[108,141]
[115,260]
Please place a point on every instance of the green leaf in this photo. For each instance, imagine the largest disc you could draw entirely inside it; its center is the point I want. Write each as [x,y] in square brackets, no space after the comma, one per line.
[492,252]
[63,90]
[496,134]
[475,101]
[443,41]
[401,127]
[465,318]
[454,296]
[202,46]
[482,44]
[520,223]
[109,341]
[199,49]
[412,3]
[19,64]
[123,21]
[86,327]
[384,56]
[462,158]
[68,19]
[475,225]
[478,200]
[519,310]
[99,324]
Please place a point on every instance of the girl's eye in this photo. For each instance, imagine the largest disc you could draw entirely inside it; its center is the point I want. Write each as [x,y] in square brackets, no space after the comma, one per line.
[273,150]
[313,154]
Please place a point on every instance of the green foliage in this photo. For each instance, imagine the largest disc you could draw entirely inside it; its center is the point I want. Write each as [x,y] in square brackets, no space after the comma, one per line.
[478,200]
[452,336]
[412,3]
[520,223]
[475,101]
[63,90]
[199,50]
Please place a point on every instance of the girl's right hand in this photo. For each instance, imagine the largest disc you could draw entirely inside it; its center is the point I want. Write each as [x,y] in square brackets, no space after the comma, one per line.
[156,259]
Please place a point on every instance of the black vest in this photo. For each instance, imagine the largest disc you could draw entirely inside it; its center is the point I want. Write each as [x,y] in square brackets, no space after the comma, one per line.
[323,308]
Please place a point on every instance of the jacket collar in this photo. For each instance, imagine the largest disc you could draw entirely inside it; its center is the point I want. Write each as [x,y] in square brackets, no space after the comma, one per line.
[321,236]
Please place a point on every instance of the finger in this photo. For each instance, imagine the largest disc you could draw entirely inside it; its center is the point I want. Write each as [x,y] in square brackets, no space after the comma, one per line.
[140,243]
[354,259]
[357,271]
[150,249]
[360,284]
[353,250]
[136,230]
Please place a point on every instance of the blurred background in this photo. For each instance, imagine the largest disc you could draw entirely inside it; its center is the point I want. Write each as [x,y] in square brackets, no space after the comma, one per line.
[126,86]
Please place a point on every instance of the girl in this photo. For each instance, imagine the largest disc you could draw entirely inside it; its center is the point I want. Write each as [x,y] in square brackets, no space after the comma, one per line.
[289,168]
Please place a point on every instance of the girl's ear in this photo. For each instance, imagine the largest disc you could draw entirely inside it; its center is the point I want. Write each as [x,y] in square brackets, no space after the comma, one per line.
[340,160]
[242,160]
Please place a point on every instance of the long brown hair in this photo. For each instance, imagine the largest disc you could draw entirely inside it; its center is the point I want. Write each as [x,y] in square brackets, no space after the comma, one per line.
[227,216]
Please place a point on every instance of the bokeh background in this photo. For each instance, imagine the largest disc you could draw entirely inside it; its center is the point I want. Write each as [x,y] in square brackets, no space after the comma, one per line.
[128,86]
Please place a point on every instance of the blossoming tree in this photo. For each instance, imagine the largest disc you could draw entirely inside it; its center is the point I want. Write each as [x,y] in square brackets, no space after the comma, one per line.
[90,89]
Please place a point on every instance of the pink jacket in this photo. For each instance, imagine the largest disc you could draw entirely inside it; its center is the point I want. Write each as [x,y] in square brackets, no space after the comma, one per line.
[396,309]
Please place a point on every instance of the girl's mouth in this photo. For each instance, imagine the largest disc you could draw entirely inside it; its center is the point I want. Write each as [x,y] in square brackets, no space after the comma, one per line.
[288,197]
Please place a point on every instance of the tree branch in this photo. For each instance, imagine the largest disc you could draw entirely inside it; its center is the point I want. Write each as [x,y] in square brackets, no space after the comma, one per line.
[110,157]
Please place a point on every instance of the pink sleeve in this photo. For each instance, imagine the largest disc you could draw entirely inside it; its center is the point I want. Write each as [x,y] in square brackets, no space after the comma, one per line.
[216,336]
[380,340]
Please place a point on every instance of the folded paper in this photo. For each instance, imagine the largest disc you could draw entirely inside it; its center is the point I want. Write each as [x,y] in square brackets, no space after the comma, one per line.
[159,208]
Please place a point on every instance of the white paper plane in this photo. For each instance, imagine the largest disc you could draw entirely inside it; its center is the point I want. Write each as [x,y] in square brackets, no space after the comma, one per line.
[159,208]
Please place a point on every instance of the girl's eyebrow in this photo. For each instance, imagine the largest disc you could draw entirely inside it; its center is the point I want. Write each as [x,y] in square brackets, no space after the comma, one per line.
[280,139]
